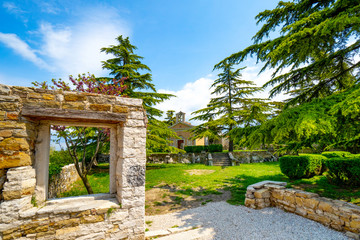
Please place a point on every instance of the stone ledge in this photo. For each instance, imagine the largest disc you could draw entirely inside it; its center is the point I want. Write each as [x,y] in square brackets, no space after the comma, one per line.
[263,183]
[96,202]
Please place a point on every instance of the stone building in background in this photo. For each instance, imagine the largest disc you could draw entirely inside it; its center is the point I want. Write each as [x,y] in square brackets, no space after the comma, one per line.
[182,129]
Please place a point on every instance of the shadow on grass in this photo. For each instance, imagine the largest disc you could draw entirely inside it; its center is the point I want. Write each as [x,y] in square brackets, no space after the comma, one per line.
[237,185]
[169,198]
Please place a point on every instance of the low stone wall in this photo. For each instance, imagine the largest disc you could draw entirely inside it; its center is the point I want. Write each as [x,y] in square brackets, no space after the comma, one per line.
[241,157]
[92,217]
[63,181]
[177,158]
[254,156]
[339,215]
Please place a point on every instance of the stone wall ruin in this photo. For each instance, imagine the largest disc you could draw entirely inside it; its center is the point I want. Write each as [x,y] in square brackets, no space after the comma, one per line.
[25,118]
[336,214]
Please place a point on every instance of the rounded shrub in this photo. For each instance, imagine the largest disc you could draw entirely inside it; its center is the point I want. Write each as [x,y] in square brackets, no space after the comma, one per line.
[344,171]
[303,166]
[336,154]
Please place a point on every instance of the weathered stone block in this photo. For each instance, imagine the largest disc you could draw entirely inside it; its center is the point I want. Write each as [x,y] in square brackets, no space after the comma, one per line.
[16,160]
[66,223]
[306,194]
[92,219]
[6,133]
[121,109]
[70,97]
[4,90]
[20,173]
[9,106]
[75,105]
[355,224]
[14,144]
[64,231]
[311,203]
[278,194]
[249,202]
[12,236]
[12,125]
[12,116]
[326,206]
[100,107]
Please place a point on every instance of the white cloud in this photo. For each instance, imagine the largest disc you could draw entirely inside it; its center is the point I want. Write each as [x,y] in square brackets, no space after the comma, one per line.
[22,48]
[12,8]
[196,95]
[74,48]
[193,96]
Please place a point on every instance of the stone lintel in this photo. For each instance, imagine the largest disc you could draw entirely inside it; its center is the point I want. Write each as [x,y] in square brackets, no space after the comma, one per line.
[72,115]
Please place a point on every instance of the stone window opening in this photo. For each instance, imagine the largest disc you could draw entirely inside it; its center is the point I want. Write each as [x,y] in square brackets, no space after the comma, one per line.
[65,175]
[42,155]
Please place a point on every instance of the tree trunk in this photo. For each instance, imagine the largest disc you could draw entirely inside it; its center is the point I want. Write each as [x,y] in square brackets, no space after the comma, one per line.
[231,145]
[87,184]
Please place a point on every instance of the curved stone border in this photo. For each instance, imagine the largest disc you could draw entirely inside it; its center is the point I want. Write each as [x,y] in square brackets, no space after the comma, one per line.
[339,215]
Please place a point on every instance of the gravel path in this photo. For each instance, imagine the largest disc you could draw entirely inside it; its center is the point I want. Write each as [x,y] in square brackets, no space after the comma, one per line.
[239,222]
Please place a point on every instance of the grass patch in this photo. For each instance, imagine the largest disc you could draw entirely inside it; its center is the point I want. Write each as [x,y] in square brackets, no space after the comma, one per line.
[235,179]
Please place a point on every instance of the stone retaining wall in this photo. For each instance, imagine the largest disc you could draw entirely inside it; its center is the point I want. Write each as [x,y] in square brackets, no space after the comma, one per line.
[241,157]
[63,181]
[339,215]
[254,156]
[177,158]
[25,118]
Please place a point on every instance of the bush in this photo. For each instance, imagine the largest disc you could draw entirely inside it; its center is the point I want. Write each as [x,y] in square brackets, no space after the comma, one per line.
[215,148]
[194,149]
[57,160]
[344,171]
[303,166]
[199,149]
[188,149]
[336,154]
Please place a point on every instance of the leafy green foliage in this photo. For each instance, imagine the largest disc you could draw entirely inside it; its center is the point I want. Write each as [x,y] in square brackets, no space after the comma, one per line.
[225,111]
[57,160]
[296,167]
[318,125]
[336,154]
[138,79]
[215,148]
[344,171]
[195,149]
[317,42]
[208,148]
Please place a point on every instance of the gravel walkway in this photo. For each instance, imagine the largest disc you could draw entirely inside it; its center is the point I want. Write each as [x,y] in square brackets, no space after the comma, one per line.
[239,222]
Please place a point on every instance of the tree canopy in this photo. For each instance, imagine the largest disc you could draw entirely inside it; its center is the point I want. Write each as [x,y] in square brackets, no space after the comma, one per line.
[127,64]
[315,45]
[225,110]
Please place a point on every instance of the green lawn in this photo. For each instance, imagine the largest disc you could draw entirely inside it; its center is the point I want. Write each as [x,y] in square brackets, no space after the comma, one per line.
[235,179]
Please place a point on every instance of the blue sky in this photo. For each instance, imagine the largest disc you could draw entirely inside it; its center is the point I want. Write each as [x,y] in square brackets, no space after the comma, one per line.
[180,40]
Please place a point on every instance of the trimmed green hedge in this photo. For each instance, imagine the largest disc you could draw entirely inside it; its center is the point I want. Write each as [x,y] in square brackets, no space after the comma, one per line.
[303,166]
[344,171]
[336,154]
[215,148]
[198,149]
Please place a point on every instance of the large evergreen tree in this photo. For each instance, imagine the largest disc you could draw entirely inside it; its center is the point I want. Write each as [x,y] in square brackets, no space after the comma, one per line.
[317,41]
[224,110]
[126,63]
